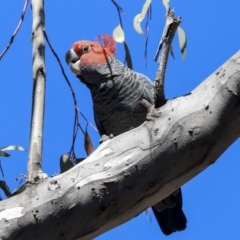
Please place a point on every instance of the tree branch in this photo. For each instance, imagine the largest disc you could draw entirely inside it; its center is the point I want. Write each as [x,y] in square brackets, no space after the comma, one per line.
[170,28]
[39,85]
[133,171]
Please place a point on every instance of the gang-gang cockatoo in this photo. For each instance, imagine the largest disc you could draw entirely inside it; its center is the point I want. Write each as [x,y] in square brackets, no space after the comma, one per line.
[117,92]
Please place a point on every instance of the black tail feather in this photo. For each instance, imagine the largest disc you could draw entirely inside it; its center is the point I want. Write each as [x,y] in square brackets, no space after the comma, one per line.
[172,219]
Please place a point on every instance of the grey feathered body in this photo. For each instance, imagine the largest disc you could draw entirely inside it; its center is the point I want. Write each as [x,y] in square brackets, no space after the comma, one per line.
[117,92]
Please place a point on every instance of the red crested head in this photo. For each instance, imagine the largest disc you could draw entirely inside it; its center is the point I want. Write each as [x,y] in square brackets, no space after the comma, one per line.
[98,52]
[89,59]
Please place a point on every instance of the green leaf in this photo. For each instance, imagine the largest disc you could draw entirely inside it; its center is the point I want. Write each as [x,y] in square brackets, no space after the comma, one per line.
[4,154]
[182,42]
[128,56]
[13,147]
[5,188]
[118,34]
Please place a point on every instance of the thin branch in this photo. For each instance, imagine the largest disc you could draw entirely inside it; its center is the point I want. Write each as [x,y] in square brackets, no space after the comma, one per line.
[88,123]
[76,120]
[39,86]
[170,28]
[76,124]
[16,30]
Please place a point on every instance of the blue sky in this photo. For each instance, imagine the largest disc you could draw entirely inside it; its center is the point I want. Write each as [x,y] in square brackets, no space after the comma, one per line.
[211,200]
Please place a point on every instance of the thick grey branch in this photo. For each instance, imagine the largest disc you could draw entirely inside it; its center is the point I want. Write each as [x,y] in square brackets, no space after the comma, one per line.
[38,101]
[135,170]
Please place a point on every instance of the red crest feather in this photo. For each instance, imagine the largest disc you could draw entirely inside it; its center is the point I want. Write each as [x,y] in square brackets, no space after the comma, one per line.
[108,42]
[99,51]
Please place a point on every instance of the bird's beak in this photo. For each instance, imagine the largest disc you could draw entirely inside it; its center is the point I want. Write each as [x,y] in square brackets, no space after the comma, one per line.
[72,57]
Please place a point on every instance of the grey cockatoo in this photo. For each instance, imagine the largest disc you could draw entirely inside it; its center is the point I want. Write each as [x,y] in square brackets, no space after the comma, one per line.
[117,92]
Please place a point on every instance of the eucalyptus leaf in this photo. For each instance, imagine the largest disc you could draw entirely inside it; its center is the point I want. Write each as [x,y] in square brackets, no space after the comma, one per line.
[166,4]
[118,34]
[145,8]
[137,23]
[182,42]
[13,147]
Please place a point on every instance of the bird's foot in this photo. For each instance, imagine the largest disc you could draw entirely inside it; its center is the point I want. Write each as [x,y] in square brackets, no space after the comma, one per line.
[152,111]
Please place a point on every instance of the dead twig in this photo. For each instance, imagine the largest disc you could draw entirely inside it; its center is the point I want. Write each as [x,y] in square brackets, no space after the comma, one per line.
[170,28]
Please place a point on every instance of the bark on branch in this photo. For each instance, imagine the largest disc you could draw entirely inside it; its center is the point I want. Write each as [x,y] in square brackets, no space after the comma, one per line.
[135,170]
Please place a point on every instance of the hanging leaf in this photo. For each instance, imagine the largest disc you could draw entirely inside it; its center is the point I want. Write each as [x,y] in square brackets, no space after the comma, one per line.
[13,147]
[182,42]
[139,17]
[128,56]
[166,4]
[137,23]
[118,34]
[145,8]
[5,188]
[65,163]
[88,144]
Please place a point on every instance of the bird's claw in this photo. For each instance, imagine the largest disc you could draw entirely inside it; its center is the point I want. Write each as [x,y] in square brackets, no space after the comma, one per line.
[152,111]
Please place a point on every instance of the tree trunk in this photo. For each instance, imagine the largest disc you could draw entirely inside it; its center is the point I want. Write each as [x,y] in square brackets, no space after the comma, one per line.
[135,170]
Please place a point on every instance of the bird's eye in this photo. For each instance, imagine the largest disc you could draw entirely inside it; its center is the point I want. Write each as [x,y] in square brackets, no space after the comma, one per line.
[85,49]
